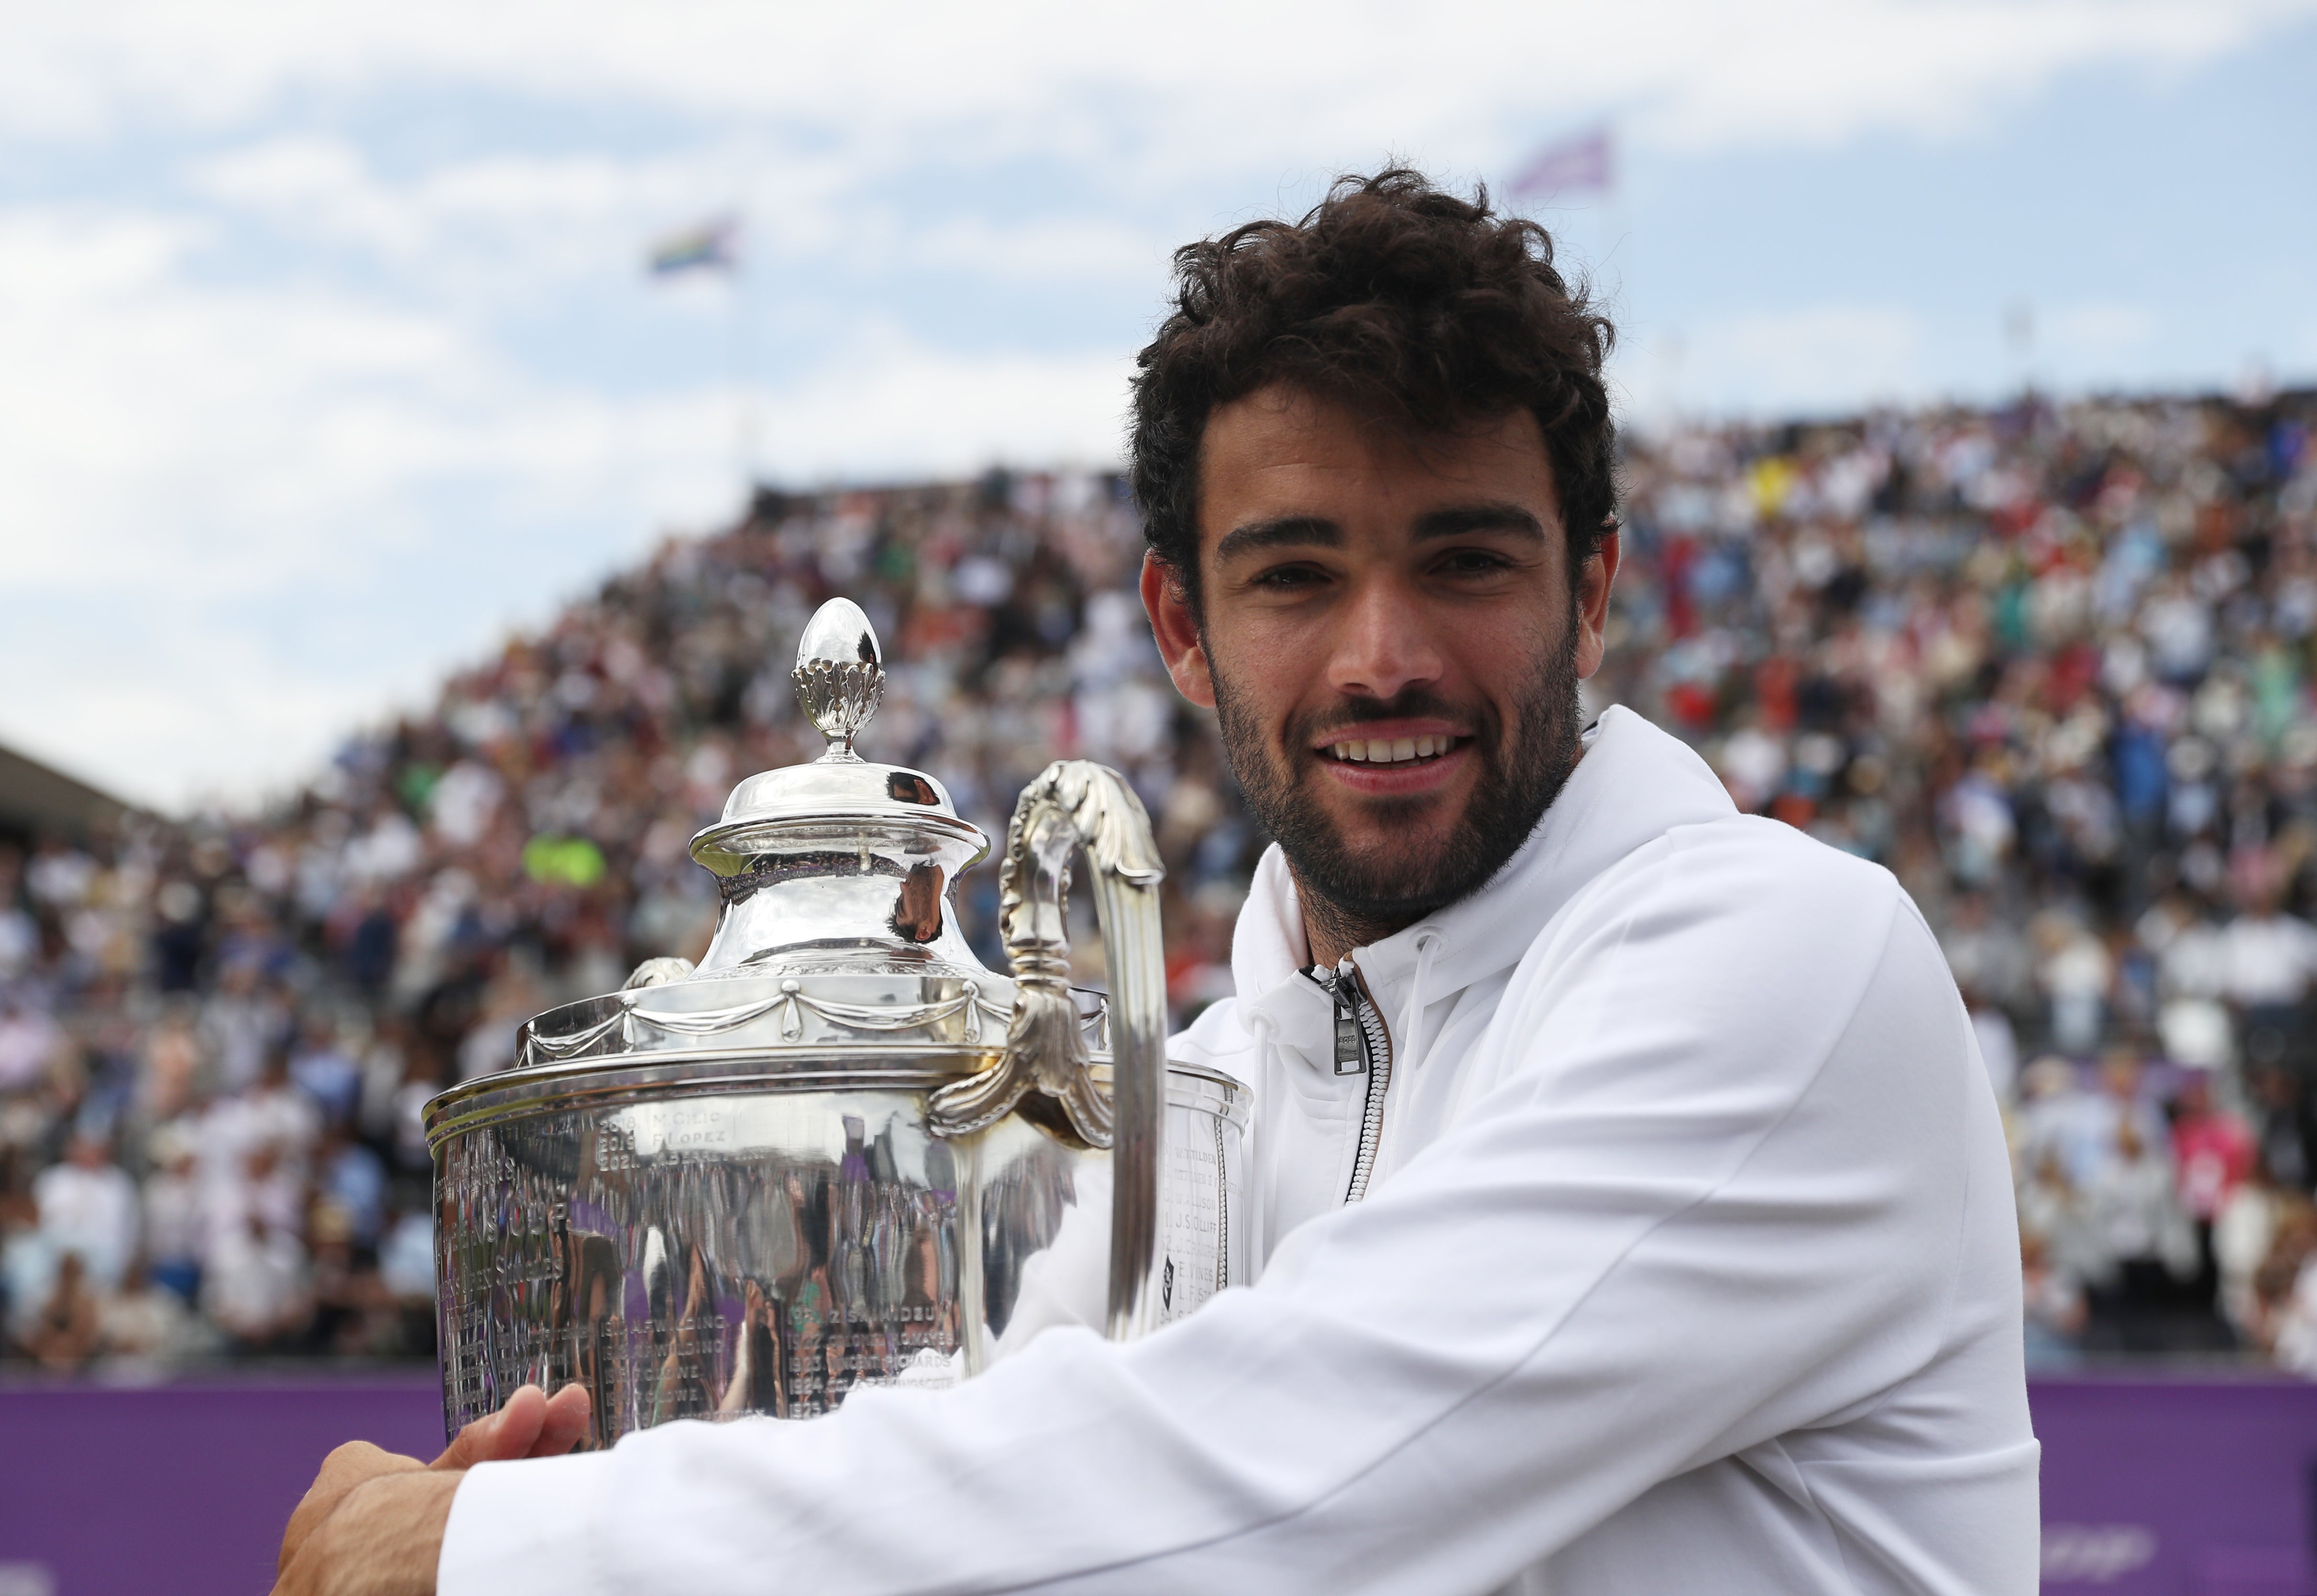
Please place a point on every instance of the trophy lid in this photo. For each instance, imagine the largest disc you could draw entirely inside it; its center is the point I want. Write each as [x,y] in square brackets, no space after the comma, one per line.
[838,946]
[839,680]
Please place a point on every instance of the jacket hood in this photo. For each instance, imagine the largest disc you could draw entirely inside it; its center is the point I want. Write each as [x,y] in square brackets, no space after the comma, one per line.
[1634,784]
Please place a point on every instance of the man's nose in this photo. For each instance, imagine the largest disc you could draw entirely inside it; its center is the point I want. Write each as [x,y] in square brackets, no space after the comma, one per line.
[1384,643]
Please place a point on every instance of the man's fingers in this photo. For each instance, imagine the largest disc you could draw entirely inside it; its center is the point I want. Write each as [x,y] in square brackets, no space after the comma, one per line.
[510,1432]
[354,1464]
[565,1424]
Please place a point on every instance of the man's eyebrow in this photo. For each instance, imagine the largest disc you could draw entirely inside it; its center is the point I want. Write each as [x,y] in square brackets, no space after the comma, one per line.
[1280,531]
[1493,517]
[1304,532]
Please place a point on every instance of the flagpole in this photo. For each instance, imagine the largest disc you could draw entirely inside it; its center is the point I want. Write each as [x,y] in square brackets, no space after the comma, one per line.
[1621,241]
[715,245]
[1585,163]
[744,397]
[749,419]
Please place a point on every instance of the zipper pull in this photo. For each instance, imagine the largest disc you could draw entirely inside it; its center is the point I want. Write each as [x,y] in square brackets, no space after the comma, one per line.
[1351,1039]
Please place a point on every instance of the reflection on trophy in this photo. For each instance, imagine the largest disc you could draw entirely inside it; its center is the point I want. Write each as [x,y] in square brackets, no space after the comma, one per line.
[841,1151]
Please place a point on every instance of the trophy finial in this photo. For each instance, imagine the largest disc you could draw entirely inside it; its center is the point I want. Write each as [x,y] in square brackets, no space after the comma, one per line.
[839,675]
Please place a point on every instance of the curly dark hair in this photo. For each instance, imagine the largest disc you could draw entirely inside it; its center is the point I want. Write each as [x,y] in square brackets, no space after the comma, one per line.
[1392,295]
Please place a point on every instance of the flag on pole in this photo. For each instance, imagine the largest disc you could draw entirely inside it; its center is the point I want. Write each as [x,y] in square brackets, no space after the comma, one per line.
[711,245]
[1578,165]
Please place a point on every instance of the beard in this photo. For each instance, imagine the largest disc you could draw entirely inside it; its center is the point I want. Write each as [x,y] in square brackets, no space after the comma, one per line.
[1360,895]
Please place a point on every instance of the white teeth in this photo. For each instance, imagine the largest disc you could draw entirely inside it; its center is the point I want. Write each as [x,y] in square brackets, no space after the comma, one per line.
[1390,750]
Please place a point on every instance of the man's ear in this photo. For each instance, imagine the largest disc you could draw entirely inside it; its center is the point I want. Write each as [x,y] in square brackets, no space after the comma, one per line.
[1168,605]
[1593,604]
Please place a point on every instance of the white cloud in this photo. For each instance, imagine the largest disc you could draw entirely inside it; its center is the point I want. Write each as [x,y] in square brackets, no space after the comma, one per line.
[1252,84]
[137,401]
[894,406]
[1822,72]
[1765,362]
[2097,331]
[1046,250]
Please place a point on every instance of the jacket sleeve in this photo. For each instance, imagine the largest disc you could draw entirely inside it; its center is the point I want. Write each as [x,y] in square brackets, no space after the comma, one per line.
[1710,1189]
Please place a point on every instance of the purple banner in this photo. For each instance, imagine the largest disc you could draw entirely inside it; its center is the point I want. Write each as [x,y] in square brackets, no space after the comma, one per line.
[2150,1487]
[179,1489]
[2177,1487]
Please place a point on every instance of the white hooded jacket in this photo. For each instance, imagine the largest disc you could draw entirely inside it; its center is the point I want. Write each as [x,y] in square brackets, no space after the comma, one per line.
[1687,1263]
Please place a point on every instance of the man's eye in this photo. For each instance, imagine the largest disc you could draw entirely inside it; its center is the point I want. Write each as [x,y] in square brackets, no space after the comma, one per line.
[1288,578]
[1472,562]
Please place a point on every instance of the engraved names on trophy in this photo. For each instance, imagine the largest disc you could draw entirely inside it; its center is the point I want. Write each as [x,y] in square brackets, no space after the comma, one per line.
[691,1260]
[1195,1239]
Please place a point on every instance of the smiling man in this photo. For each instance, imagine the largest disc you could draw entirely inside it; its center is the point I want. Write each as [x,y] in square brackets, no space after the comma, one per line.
[1632,1215]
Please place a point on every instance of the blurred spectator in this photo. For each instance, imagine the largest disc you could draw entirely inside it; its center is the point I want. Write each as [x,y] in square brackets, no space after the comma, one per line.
[2270,957]
[66,1333]
[2287,1126]
[2058,1230]
[2211,1152]
[28,1042]
[2075,973]
[243,1021]
[269,1118]
[1989,961]
[321,1069]
[2146,1250]
[89,1212]
[2244,1231]
[147,1323]
[255,1283]
[350,1179]
[2053,1301]
[169,1081]
[173,1218]
[2284,1290]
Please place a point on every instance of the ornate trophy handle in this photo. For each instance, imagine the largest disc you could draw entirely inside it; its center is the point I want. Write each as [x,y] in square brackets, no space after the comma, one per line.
[1078,804]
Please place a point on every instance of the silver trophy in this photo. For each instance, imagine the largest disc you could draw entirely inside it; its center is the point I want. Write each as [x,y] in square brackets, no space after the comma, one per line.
[841,1152]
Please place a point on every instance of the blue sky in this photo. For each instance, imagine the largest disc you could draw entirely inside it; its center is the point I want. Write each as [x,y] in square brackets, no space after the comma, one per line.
[326,353]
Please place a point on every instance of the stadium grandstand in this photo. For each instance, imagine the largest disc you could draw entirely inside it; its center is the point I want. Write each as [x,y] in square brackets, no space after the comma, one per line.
[2050,664]
[36,798]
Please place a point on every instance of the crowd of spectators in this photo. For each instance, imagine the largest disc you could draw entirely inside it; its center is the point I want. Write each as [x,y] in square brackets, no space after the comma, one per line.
[2049,663]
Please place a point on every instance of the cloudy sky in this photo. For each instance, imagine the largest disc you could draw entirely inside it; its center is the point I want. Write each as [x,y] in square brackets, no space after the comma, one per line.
[326,352]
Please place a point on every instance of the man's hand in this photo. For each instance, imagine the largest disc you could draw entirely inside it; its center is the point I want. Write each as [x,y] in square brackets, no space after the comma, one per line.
[372,1524]
[383,1538]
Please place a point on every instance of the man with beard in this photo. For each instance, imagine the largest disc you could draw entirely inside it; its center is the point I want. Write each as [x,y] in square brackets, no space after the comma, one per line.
[1633,1214]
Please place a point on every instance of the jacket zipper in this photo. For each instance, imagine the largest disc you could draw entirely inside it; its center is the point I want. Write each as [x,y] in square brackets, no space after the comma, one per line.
[1363,1045]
